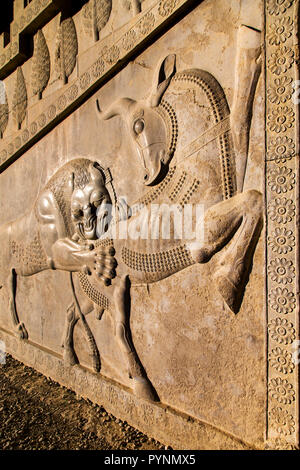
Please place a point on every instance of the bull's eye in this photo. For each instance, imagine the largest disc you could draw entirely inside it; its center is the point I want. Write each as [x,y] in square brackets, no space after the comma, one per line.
[138,126]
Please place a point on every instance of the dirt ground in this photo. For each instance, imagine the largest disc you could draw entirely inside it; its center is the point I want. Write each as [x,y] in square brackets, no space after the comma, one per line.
[38,414]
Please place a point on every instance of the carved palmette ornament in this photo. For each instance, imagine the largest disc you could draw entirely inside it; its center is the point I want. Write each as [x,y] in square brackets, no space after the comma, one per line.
[20,99]
[41,65]
[96,14]
[3,111]
[66,48]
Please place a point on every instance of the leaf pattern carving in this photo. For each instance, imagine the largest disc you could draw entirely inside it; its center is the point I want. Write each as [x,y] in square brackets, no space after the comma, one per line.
[20,99]
[41,65]
[3,110]
[66,48]
[96,14]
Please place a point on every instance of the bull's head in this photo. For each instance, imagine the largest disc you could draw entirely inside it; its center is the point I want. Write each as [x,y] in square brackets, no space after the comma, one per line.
[146,127]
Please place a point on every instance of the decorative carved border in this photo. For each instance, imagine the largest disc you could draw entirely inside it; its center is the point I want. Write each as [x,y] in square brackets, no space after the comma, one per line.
[111,52]
[282,239]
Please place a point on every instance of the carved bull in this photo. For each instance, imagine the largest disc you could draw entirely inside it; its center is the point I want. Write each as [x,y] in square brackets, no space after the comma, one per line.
[190,145]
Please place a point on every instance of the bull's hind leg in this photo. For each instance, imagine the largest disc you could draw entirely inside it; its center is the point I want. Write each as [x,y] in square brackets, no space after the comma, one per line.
[140,383]
[20,327]
[238,220]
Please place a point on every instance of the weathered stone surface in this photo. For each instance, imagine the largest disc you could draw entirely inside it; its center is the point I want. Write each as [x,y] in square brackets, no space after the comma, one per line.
[193,341]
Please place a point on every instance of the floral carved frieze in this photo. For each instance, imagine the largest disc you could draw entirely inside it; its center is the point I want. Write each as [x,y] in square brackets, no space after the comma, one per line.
[281,209]
[27,21]
[109,51]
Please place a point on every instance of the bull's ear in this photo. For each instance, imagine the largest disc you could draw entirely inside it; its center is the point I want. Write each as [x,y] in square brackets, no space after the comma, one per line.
[165,73]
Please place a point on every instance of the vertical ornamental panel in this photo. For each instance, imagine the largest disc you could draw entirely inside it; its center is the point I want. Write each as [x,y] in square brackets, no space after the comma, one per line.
[281,202]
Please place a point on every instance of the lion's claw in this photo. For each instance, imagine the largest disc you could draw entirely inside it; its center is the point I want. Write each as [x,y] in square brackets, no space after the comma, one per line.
[105,264]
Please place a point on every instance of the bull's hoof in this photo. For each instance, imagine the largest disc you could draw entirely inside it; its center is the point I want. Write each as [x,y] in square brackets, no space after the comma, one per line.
[229,292]
[142,388]
[70,357]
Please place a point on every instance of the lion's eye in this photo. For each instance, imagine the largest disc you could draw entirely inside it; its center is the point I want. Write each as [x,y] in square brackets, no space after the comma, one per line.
[96,198]
[77,213]
[138,126]
[97,202]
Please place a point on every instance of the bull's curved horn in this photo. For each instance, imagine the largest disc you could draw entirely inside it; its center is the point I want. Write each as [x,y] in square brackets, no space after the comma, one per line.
[120,106]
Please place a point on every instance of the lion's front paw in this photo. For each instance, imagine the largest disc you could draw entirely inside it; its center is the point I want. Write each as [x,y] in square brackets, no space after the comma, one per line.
[105,264]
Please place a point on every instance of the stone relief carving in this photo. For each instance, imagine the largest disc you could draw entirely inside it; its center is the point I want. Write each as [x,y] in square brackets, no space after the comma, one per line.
[70,227]
[115,49]
[40,73]
[154,126]
[177,184]
[66,49]
[29,18]
[4,112]
[57,234]
[19,103]
[96,14]
[249,55]
[281,200]
[26,19]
